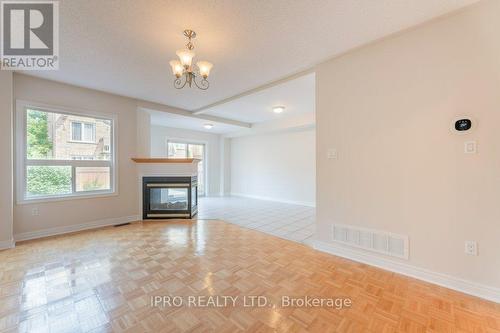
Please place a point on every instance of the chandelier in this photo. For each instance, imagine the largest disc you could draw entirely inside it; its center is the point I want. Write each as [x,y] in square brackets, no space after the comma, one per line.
[185,73]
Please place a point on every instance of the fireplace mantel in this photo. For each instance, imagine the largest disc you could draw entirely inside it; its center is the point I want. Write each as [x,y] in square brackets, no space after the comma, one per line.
[164,160]
[149,166]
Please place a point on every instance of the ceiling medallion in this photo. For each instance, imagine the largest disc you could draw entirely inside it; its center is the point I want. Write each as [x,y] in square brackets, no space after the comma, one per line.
[185,73]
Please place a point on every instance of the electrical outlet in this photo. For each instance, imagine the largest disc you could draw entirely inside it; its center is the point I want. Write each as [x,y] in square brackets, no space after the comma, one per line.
[470,147]
[332,154]
[35,211]
[471,248]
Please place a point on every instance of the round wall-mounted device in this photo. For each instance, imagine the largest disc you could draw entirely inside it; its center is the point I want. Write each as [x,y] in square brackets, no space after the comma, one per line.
[463,125]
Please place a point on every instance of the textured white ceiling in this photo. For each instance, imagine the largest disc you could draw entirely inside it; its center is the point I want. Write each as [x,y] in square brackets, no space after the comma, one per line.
[124,46]
[297,95]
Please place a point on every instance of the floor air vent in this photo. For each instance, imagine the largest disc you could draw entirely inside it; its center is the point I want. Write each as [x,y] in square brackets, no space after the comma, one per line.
[372,240]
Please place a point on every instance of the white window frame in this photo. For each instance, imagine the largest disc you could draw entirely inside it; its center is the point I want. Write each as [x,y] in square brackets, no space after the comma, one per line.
[22,161]
[83,130]
[205,156]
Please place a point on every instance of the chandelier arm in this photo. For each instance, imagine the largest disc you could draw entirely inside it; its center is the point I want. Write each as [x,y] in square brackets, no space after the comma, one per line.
[178,84]
[203,85]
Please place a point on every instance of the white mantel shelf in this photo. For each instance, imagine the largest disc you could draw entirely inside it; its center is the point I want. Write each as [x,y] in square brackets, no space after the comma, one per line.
[164,160]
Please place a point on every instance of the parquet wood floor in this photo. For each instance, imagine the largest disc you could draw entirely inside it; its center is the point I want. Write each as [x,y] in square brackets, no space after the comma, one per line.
[105,280]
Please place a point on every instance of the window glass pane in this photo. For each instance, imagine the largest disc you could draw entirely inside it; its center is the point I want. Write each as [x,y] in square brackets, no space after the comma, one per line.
[48,180]
[92,179]
[201,179]
[198,151]
[38,136]
[88,133]
[76,131]
[58,136]
[177,150]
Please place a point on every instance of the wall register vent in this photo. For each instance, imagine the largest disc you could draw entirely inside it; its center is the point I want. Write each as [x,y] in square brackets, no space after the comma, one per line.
[372,240]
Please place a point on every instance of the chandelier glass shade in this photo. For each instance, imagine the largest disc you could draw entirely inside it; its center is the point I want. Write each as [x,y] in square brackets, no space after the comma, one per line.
[185,73]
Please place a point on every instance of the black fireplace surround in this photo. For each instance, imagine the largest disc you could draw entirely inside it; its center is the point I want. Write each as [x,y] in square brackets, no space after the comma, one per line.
[169,197]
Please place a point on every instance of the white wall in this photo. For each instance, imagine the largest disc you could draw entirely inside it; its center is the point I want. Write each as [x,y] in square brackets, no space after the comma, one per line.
[280,166]
[6,115]
[160,135]
[143,135]
[225,170]
[387,108]
[63,215]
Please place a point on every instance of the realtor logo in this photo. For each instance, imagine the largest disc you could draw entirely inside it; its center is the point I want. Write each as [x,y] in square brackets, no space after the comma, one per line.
[30,35]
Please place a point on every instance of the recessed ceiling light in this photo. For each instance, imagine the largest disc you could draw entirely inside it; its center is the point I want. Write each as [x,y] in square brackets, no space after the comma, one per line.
[278,109]
[208,126]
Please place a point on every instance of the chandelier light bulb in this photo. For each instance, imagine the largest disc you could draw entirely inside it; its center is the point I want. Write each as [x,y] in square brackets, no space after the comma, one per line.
[204,67]
[177,68]
[208,126]
[186,57]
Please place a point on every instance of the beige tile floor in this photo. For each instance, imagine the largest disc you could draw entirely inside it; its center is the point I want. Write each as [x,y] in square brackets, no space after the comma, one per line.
[293,222]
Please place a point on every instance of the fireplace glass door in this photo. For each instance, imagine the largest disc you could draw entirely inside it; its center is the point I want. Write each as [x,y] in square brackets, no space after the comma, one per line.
[194,193]
[168,199]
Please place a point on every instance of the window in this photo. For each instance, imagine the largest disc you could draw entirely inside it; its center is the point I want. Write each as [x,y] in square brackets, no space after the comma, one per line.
[190,150]
[82,132]
[53,162]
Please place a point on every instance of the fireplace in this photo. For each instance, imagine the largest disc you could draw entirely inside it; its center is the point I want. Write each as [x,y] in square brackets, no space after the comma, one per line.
[169,197]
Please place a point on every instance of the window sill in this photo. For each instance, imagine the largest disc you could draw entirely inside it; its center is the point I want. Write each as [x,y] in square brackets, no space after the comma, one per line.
[83,142]
[67,197]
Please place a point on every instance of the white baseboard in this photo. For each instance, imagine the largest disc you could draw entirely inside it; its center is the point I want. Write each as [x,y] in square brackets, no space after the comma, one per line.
[73,228]
[4,245]
[258,197]
[447,281]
